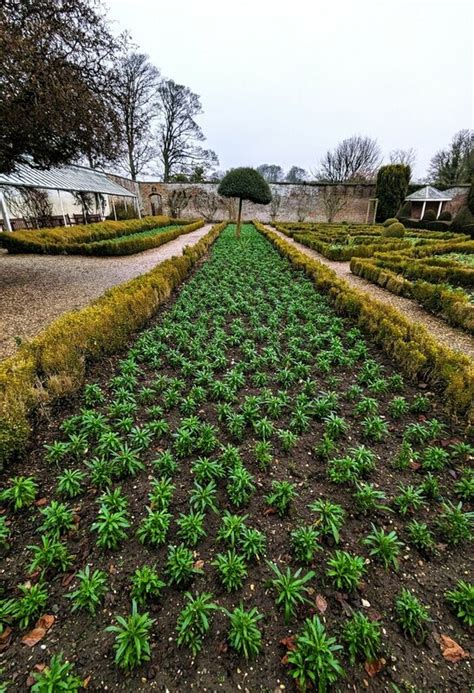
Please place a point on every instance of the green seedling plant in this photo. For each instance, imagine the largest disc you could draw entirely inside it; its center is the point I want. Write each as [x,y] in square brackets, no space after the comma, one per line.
[281,496]
[50,554]
[313,661]
[455,524]
[363,638]
[291,589]
[304,543]
[421,537]
[21,493]
[132,634]
[161,493]
[409,499]
[58,675]
[57,519]
[411,615]
[154,527]
[191,528]
[180,565]
[252,543]
[232,569]
[368,499]
[464,487]
[241,486]
[70,483]
[194,620]
[31,603]
[231,528]
[90,591]
[244,635]
[111,527]
[165,464]
[461,601]
[5,532]
[384,546]
[203,497]
[345,570]
[146,584]
[331,518]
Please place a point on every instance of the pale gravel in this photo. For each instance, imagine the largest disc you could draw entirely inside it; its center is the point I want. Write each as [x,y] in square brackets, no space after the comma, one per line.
[446,334]
[36,289]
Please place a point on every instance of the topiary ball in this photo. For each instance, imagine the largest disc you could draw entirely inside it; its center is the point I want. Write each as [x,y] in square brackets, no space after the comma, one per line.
[389,222]
[429,215]
[445,216]
[395,230]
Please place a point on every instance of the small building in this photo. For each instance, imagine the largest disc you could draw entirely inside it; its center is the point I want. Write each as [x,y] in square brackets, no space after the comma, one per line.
[35,198]
[428,198]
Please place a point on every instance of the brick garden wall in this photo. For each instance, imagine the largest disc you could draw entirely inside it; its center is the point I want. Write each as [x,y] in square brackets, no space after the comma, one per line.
[291,202]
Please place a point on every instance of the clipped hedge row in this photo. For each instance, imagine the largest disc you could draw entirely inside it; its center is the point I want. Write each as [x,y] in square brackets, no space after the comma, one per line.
[453,304]
[346,252]
[61,240]
[407,343]
[53,364]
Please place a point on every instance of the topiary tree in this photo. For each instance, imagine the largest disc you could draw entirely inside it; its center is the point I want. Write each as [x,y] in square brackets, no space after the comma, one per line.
[392,186]
[429,215]
[391,220]
[245,184]
[395,230]
[445,216]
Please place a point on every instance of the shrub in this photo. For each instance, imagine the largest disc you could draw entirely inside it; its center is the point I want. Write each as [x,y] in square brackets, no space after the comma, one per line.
[445,216]
[392,185]
[429,215]
[463,218]
[395,230]
[388,222]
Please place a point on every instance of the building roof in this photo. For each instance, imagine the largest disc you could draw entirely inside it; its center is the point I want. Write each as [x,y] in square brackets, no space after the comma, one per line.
[69,178]
[429,194]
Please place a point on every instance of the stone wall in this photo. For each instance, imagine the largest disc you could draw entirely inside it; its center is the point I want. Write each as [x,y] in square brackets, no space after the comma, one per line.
[309,202]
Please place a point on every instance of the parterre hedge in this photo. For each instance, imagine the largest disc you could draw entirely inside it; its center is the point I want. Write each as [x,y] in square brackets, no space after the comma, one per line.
[53,364]
[406,342]
[85,239]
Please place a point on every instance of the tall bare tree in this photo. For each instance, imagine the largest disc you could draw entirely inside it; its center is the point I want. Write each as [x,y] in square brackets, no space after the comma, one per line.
[136,98]
[405,157]
[334,200]
[55,103]
[355,159]
[179,133]
[456,163]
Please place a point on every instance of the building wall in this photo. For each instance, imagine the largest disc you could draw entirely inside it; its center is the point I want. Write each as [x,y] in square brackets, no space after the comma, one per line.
[291,202]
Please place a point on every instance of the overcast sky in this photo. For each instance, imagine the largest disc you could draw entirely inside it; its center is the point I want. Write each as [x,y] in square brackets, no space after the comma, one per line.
[283,81]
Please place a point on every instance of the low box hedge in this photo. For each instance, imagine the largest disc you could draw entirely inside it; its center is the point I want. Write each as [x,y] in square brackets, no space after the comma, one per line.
[407,343]
[67,240]
[54,363]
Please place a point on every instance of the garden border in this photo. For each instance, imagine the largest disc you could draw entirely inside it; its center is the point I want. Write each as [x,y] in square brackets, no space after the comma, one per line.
[53,364]
[409,344]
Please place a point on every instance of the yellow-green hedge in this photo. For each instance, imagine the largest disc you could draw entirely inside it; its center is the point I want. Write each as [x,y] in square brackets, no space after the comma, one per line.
[53,364]
[409,345]
[68,240]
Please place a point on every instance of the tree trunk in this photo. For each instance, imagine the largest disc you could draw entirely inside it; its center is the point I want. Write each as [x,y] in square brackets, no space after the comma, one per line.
[239,215]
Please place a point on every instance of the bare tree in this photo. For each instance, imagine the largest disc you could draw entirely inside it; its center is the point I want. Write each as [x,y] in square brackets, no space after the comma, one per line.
[355,159]
[206,203]
[178,200]
[296,174]
[271,172]
[179,133]
[456,163]
[406,157]
[275,205]
[303,199]
[334,200]
[135,95]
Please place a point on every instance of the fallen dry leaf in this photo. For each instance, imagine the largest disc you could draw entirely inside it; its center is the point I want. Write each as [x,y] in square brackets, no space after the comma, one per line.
[67,579]
[414,465]
[269,511]
[222,647]
[289,643]
[199,565]
[450,649]
[41,501]
[43,624]
[373,668]
[321,603]
[86,681]
[5,638]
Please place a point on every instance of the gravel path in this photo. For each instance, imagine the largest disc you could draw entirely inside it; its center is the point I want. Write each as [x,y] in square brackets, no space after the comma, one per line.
[439,329]
[36,289]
